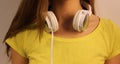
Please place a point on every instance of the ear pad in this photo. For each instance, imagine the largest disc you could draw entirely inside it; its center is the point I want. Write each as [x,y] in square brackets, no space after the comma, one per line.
[51,21]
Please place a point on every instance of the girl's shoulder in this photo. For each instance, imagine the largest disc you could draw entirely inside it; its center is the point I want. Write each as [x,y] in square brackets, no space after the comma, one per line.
[108,24]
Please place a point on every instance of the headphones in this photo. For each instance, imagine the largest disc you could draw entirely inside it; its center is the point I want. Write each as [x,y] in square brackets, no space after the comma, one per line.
[80,20]
[80,23]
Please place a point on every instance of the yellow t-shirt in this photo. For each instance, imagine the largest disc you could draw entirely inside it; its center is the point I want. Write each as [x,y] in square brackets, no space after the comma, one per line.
[102,44]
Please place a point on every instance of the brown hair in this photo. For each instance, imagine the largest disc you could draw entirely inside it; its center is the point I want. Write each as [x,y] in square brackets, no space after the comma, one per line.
[33,11]
[85,3]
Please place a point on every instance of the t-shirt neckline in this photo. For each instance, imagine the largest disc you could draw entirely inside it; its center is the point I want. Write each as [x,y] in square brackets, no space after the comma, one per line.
[88,36]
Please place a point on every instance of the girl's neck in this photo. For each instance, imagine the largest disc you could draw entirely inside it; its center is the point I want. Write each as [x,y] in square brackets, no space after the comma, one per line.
[65,9]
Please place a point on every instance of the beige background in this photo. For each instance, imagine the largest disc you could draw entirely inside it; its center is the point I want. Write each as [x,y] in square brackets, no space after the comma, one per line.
[105,8]
[7,10]
[109,9]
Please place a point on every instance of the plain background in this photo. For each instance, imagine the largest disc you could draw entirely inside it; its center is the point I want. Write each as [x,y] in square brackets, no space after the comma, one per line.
[105,8]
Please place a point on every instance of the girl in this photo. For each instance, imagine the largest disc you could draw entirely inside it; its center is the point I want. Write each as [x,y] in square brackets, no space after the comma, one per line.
[62,32]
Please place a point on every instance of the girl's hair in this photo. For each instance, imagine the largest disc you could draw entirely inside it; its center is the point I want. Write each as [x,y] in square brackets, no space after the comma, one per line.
[34,12]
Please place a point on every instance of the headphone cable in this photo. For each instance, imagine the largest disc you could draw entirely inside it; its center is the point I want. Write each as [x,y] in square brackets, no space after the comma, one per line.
[51,47]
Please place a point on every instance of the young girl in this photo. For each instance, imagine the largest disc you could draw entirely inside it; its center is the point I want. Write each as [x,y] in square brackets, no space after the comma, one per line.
[62,32]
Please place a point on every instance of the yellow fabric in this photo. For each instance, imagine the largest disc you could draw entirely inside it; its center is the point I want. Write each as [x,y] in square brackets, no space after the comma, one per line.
[102,44]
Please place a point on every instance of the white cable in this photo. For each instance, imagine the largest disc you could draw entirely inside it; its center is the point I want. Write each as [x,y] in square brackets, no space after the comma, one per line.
[90,10]
[51,48]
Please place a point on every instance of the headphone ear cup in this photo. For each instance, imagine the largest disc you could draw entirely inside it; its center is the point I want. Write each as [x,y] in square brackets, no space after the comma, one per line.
[51,21]
[79,20]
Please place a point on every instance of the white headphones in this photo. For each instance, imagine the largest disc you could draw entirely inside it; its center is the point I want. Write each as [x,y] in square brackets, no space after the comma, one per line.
[80,23]
[80,20]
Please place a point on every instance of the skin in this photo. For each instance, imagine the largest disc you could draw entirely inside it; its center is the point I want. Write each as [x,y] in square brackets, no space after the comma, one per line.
[16,58]
[68,9]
